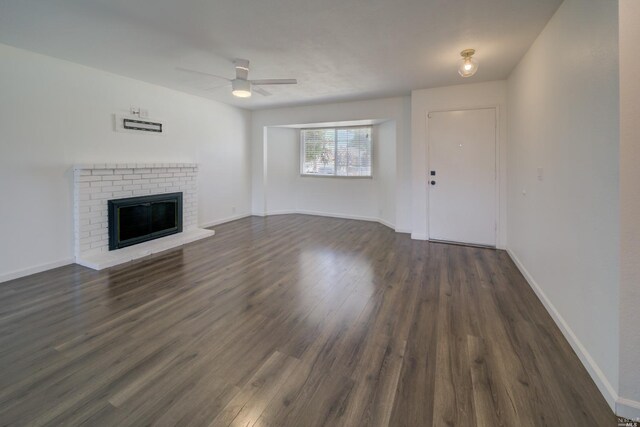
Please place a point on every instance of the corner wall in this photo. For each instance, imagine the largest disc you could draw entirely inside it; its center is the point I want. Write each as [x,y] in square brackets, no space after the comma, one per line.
[55,113]
[563,226]
[629,401]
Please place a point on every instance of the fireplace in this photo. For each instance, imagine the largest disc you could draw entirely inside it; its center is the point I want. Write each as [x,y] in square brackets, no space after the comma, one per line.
[138,219]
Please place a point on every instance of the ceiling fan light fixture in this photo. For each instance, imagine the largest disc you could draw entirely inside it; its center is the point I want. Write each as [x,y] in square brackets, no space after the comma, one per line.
[241,88]
[469,65]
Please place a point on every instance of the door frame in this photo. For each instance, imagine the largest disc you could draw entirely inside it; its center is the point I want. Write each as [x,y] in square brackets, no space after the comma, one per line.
[497,164]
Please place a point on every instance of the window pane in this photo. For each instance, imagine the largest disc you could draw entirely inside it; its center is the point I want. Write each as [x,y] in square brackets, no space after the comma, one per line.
[354,151]
[339,152]
[319,151]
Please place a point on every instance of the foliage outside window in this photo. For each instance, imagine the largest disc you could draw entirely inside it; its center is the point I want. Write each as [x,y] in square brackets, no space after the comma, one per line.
[342,152]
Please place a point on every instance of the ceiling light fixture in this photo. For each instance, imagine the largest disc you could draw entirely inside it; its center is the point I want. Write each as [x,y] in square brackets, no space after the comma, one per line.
[241,88]
[469,65]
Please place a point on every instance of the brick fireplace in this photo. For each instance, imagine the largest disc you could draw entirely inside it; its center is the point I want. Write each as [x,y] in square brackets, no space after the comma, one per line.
[96,184]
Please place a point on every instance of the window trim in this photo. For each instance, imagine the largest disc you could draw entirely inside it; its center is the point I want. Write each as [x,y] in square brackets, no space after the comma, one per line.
[311,175]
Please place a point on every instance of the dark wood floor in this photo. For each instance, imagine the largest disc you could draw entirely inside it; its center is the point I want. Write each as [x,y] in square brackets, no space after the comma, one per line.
[291,321]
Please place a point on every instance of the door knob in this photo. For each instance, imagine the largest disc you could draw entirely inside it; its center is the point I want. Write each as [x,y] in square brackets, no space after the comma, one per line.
[433,183]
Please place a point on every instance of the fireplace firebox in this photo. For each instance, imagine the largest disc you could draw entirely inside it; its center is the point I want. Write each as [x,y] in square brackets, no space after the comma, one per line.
[138,219]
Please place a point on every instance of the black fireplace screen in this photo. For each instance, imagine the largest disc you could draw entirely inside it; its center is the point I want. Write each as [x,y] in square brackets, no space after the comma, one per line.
[139,219]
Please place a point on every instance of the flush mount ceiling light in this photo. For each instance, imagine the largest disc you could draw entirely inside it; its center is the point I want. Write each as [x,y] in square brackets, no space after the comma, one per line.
[241,88]
[469,65]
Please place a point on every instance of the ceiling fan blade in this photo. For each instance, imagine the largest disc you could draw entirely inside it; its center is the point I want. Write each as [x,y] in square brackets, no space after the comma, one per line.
[242,68]
[201,73]
[261,91]
[274,82]
[214,88]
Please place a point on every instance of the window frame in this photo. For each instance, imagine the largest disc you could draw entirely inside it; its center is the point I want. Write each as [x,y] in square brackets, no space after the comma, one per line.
[335,128]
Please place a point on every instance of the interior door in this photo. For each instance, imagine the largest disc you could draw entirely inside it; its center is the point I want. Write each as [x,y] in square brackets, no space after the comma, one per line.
[462,176]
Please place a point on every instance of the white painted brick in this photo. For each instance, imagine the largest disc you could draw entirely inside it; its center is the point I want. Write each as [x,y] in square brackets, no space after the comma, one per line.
[89,178]
[90,190]
[94,227]
[102,172]
[93,187]
[96,203]
[101,196]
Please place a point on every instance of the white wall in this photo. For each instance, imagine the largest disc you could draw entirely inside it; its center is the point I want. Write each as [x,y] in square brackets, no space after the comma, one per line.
[629,403]
[385,171]
[55,113]
[287,192]
[451,98]
[385,197]
[563,233]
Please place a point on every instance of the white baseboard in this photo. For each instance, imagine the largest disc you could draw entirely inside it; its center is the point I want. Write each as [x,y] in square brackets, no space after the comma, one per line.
[603,384]
[333,215]
[222,221]
[419,236]
[630,409]
[33,270]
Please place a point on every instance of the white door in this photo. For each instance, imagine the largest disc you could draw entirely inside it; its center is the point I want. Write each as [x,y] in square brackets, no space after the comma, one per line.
[462,176]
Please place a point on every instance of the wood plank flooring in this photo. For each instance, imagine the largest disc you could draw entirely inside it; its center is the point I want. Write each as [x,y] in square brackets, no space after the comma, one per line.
[295,321]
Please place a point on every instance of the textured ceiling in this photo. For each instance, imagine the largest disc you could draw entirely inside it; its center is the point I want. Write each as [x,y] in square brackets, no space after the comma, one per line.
[337,49]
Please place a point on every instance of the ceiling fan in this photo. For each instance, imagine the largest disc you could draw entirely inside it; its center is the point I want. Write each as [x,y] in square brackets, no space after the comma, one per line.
[241,86]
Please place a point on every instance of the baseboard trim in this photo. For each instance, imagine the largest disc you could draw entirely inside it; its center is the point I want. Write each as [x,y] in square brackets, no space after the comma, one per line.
[33,270]
[603,384]
[627,408]
[419,236]
[334,215]
[224,220]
